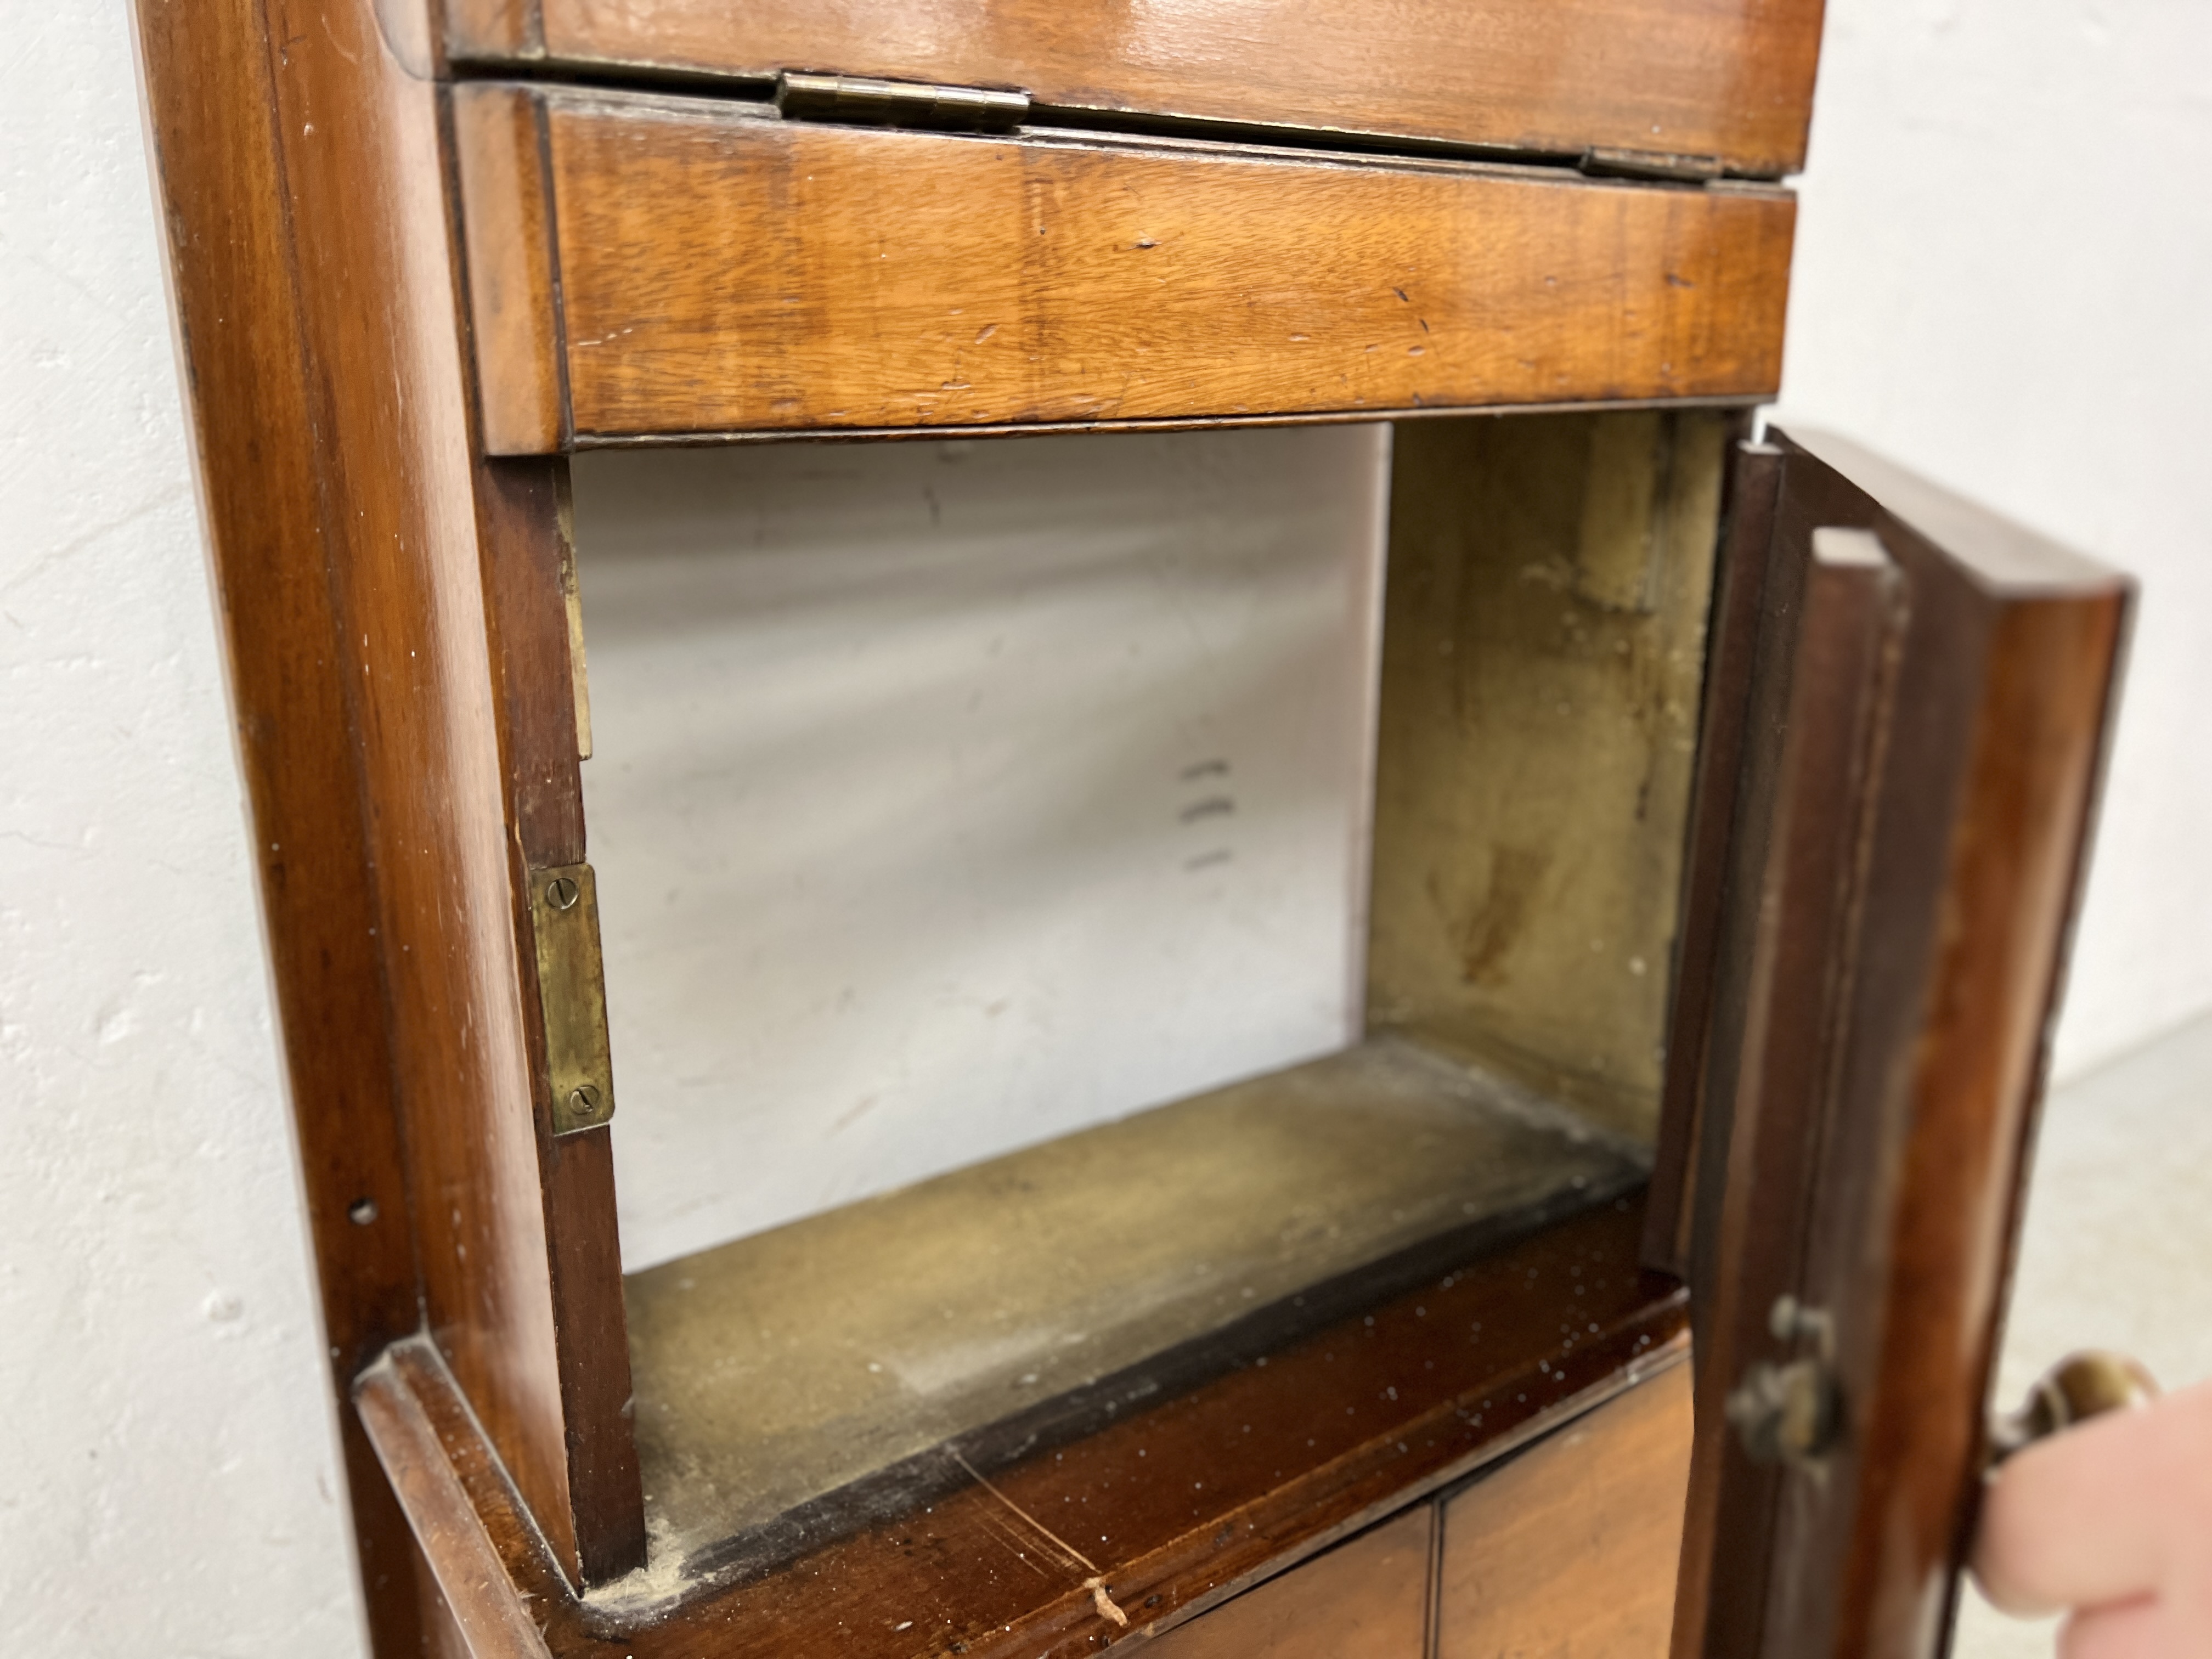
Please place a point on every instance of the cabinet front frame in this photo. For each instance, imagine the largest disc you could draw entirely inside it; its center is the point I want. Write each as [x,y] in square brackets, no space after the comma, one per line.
[399,655]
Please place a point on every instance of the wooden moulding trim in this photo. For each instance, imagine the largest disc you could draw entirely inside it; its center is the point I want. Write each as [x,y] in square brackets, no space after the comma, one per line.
[499,150]
[1364,1418]
[482,1597]
[713,274]
[477,30]
[1747,538]
[1185,423]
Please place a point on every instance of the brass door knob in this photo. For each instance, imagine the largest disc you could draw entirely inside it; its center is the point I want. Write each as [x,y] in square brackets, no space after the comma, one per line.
[2083,1385]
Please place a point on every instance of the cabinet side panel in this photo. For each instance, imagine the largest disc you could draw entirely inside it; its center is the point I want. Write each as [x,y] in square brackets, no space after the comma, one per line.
[356,294]
[1543,637]
[208,87]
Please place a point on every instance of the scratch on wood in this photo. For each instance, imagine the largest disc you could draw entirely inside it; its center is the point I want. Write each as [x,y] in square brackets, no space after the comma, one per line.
[1073,1553]
[1095,1583]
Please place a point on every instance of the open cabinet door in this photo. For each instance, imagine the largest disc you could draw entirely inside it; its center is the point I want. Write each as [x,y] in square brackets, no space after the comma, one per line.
[1920,701]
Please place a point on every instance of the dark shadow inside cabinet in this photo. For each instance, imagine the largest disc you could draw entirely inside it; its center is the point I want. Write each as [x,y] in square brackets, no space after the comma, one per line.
[1354,842]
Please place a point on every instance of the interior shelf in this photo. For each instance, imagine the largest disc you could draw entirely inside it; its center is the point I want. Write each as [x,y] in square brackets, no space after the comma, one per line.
[800,1383]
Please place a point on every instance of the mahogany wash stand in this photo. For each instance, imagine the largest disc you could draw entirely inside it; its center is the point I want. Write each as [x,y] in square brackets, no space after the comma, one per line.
[1823,741]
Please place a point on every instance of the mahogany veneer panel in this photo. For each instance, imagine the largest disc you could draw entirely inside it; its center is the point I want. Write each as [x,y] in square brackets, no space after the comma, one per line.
[1929,710]
[1572,1547]
[1729,79]
[1366,1599]
[408,752]
[724,272]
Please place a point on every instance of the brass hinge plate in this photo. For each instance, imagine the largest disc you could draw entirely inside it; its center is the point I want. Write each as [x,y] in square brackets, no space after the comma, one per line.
[564,915]
[855,98]
[1651,164]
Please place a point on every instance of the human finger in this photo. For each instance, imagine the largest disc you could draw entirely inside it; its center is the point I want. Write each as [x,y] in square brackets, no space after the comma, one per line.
[2088,1517]
[2142,1629]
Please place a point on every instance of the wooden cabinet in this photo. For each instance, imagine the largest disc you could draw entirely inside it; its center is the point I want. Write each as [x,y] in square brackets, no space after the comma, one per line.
[1727,815]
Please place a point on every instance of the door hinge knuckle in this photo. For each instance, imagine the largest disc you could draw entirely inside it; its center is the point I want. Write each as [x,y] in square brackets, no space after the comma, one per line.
[564,919]
[861,100]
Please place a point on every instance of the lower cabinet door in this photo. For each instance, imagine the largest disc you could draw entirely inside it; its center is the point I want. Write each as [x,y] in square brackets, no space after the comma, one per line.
[1571,1548]
[1926,722]
[1366,1599]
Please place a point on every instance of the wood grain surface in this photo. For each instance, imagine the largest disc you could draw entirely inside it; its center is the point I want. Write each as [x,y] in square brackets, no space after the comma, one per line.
[252,396]
[1366,1599]
[1568,1548]
[725,273]
[360,548]
[1571,1548]
[1727,79]
[1888,977]
[1169,1510]
[488,1616]
[1841,664]
[499,158]
[524,536]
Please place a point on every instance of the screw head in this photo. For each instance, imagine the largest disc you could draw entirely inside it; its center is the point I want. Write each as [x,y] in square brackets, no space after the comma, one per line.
[561,893]
[362,1211]
[584,1097]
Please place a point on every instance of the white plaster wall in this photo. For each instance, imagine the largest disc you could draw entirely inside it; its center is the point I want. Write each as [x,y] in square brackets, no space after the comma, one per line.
[2003,258]
[168,1479]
